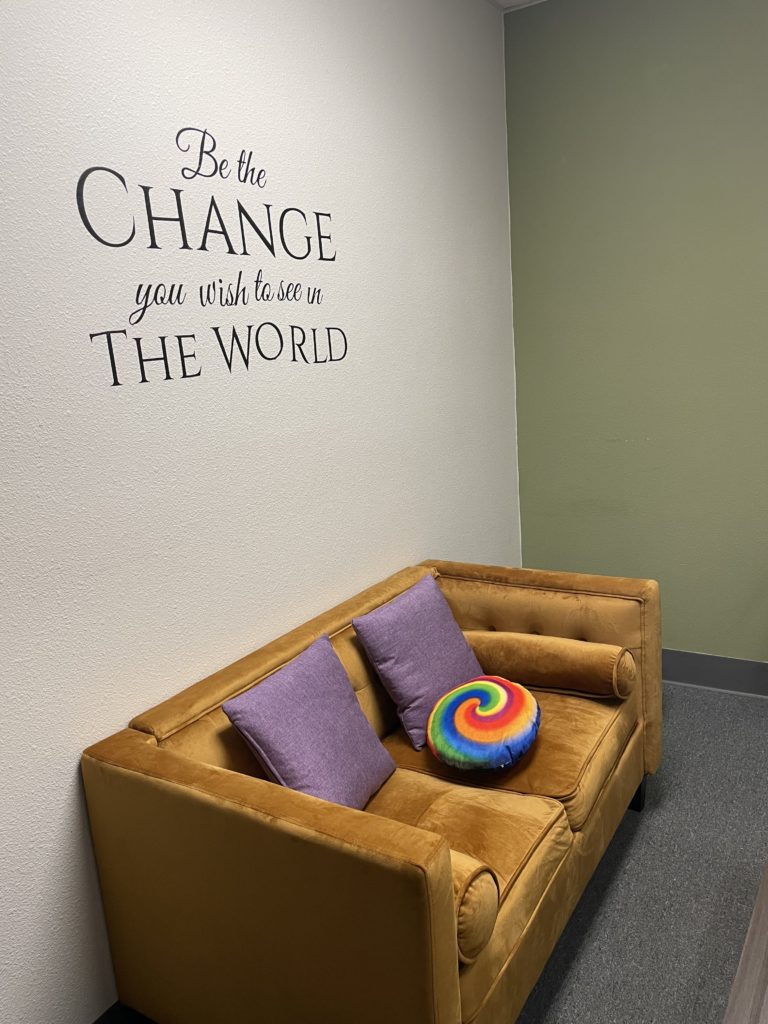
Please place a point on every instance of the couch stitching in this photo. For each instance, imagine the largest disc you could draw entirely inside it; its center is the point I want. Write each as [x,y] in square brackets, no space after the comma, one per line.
[537,586]
[198,787]
[560,812]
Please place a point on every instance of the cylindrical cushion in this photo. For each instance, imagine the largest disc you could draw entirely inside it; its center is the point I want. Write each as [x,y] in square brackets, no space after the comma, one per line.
[476,897]
[554,662]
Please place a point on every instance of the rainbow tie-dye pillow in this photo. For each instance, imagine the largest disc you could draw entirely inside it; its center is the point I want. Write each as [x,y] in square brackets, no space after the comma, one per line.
[487,722]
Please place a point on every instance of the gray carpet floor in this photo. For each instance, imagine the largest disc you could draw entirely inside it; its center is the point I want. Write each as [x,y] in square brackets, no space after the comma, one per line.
[658,933]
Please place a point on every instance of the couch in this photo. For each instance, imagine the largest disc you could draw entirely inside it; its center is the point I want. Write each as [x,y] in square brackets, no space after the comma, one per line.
[230,899]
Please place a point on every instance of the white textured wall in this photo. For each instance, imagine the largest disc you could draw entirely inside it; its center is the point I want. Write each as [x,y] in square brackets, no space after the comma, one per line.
[153,533]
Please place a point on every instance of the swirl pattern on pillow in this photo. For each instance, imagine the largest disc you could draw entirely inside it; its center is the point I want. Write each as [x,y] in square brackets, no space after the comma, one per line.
[488,722]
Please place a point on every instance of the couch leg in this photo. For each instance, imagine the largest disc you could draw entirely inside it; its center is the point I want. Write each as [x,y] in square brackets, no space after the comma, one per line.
[637,803]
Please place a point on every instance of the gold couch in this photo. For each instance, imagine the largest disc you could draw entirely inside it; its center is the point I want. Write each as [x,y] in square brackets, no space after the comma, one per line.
[231,899]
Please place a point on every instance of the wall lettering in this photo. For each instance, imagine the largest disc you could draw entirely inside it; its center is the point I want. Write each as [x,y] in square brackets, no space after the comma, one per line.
[170,218]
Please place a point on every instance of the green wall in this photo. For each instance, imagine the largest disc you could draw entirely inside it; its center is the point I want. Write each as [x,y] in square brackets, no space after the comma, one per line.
[638,154]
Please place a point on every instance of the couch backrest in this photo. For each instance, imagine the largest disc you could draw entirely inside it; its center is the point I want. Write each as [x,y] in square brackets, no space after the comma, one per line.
[193,724]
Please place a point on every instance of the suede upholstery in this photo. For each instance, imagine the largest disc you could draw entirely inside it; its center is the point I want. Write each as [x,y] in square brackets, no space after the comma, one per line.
[599,670]
[599,609]
[230,898]
[476,901]
[578,743]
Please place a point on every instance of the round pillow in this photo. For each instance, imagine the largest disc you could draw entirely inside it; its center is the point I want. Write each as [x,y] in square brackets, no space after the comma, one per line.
[488,722]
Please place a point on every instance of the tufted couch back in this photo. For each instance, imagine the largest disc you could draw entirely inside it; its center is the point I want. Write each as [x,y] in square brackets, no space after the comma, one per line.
[608,610]
[600,609]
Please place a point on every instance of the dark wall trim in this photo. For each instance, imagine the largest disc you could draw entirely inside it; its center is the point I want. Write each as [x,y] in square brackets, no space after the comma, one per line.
[119,1014]
[735,674]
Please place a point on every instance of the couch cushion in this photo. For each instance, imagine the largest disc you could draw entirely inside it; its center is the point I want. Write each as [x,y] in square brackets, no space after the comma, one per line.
[419,652]
[306,728]
[579,742]
[502,830]
[555,662]
[523,840]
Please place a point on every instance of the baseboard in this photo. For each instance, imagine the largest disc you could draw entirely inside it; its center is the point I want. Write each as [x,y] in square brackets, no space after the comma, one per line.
[119,1014]
[735,674]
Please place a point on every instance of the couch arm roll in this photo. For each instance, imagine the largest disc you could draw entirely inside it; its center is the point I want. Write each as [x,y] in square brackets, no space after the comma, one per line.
[476,898]
[554,662]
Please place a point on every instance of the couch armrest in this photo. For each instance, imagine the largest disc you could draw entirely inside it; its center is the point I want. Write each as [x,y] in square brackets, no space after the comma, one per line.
[600,609]
[211,879]
[476,900]
[552,662]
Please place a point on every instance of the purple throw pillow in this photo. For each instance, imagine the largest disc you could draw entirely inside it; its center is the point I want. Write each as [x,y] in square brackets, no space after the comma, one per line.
[306,727]
[419,651]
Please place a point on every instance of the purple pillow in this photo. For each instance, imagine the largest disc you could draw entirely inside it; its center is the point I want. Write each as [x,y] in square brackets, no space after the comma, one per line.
[306,727]
[419,651]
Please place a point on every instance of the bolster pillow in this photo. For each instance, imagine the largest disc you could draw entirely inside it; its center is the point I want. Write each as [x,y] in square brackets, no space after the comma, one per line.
[601,670]
[476,898]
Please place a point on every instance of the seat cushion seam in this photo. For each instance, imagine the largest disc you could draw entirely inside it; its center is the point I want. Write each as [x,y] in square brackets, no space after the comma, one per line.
[608,777]
[532,850]
[591,756]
